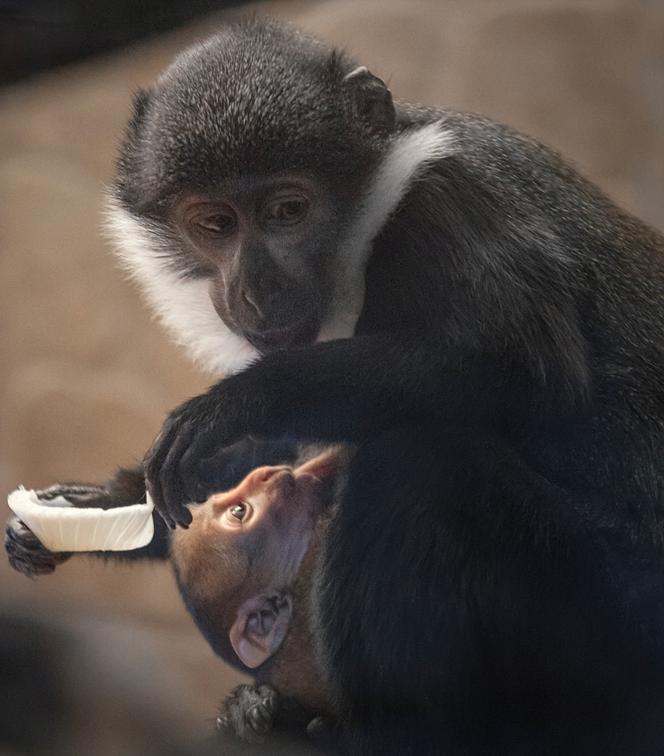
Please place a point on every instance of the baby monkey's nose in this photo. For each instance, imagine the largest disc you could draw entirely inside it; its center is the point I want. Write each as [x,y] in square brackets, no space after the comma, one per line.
[263,475]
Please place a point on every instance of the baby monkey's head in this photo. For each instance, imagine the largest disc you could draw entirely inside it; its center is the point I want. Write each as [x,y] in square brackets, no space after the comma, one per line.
[237,563]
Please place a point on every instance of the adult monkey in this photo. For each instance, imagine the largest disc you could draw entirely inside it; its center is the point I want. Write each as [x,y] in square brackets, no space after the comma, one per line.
[270,195]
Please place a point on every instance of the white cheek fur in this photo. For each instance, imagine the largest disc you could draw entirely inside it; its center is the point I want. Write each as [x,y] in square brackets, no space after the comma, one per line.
[184,306]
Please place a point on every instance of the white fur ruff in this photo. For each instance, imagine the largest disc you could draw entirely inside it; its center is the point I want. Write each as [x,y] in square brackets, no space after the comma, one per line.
[183,306]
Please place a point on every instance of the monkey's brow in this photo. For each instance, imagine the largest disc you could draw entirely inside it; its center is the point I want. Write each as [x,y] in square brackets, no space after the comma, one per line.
[248,186]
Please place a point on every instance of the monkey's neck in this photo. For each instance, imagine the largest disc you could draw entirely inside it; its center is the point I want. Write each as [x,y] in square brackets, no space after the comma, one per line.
[294,670]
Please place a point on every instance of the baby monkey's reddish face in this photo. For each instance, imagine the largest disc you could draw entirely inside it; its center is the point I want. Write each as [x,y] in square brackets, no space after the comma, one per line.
[268,519]
[243,550]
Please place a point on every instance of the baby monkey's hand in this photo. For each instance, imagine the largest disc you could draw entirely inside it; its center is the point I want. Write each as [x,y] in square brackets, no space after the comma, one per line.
[259,714]
[249,712]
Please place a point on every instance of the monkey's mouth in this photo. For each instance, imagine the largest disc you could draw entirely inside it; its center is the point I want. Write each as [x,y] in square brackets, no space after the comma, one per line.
[304,331]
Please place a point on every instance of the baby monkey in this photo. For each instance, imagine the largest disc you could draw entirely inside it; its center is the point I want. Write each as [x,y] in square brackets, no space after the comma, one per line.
[246,569]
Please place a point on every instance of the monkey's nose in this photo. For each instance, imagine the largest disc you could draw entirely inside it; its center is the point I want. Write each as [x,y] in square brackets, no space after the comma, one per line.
[250,300]
[277,482]
[261,475]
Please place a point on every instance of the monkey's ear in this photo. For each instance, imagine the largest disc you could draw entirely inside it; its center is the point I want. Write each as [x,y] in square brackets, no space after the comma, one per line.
[369,99]
[327,464]
[260,627]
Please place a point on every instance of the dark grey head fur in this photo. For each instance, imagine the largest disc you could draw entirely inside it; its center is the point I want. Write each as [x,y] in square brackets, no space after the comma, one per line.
[257,98]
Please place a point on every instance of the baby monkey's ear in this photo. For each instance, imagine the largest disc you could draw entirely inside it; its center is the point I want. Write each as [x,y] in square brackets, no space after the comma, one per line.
[260,627]
[326,465]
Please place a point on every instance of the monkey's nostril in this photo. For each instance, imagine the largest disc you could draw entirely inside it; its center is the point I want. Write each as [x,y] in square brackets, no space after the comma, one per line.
[268,472]
[280,476]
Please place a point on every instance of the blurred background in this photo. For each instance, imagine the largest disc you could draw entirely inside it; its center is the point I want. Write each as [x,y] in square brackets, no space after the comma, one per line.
[102,658]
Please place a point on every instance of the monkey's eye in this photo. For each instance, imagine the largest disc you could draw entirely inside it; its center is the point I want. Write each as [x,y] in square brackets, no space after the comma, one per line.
[239,511]
[214,221]
[287,210]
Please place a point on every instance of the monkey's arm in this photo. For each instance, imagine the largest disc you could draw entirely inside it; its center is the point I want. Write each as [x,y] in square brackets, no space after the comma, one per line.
[26,553]
[340,390]
[223,471]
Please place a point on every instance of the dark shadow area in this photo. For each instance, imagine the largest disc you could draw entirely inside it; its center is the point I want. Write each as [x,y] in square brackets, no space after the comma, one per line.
[39,34]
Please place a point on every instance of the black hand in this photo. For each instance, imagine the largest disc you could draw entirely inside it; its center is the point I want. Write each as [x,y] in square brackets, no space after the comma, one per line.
[80,495]
[26,553]
[249,712]
[192,433]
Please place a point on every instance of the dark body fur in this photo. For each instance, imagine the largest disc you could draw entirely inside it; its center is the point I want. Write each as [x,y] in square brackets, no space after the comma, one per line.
[470,606]
[531,584]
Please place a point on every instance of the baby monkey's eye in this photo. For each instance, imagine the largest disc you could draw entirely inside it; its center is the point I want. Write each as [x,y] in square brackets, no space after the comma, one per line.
[239,511]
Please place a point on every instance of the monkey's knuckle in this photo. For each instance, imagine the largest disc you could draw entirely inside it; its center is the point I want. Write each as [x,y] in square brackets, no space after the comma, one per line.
[269,698]
[18,534]
[10,535]
[29,564]
[166,472]
[178,418]
[14,526]
[11,551]
[319,730]
[260,719]
[149,466]
[52,491]
[186,464]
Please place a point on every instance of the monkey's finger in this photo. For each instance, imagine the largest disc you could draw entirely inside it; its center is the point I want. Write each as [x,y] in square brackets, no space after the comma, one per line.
[152,464]
[321,731]
[28,567]
[21,541]
[77,494]
[29,562]
[195,442]
[204,446]
[171,480]
[18,533]
[269,698]
[164,515]
[194,483]
[259,719]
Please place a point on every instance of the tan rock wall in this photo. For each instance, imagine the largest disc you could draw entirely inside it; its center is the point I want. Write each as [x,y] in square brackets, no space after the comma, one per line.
[86,378]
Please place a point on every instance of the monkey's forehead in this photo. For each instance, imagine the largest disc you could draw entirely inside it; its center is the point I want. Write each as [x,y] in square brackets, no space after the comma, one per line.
[254,97]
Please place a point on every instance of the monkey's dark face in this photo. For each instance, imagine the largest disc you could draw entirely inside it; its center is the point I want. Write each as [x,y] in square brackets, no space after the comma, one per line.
[243,201]
[261,245]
